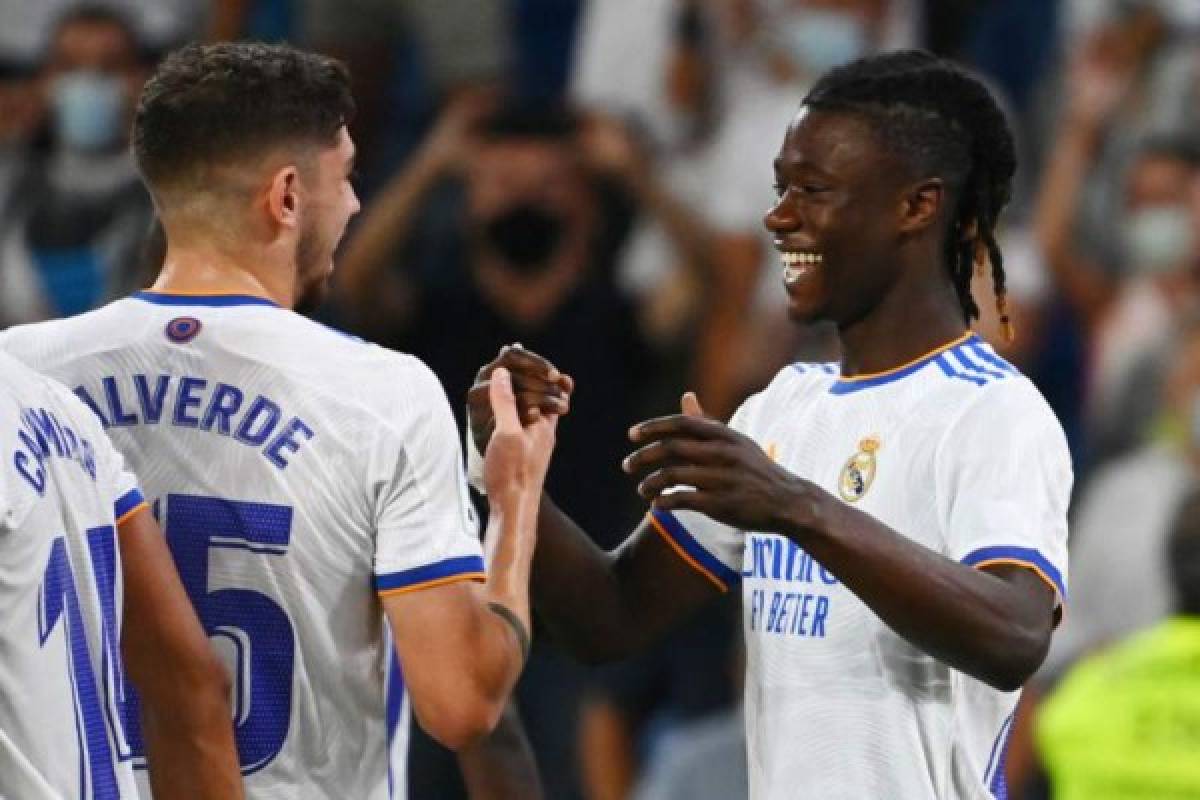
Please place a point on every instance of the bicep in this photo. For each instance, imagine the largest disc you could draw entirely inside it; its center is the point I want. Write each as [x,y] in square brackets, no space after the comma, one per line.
[433,627]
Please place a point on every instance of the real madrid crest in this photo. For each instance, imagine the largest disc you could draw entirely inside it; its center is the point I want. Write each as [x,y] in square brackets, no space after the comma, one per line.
[859,472]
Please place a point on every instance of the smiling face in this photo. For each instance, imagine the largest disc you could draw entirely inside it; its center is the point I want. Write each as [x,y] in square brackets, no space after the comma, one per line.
[331,202]
[836,223]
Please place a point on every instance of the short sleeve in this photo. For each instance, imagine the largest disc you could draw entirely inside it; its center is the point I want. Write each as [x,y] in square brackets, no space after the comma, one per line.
[426,534]
[712,548]
[116,481]
[1004,478]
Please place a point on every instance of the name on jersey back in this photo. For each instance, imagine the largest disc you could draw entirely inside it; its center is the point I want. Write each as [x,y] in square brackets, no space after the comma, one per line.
[42,435]
[187,401]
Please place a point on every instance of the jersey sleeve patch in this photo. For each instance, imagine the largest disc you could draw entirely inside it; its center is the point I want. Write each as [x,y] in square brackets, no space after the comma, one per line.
[690,550]
[430,575]
[128,504]
[1022,557]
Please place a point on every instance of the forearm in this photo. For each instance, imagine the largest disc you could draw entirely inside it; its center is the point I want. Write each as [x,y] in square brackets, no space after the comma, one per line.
[501,765]
[384,228]
[603,606]
[1058,201]
[687,231]
[509,543]
[575,588]
[974,621]
[723,330]
[189,746]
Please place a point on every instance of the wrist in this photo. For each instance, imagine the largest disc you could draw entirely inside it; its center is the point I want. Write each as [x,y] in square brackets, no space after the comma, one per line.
[809,511]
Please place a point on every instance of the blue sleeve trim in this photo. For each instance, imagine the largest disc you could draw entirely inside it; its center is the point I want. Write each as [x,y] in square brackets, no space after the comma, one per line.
[672,527]
[127,502]
[1021,556]
[430,573]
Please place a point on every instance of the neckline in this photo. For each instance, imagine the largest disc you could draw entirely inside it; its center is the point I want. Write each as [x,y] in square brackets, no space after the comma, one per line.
[209,299]
[852,383]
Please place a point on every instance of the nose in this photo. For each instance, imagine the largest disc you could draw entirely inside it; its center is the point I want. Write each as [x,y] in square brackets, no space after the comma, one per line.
[781,217]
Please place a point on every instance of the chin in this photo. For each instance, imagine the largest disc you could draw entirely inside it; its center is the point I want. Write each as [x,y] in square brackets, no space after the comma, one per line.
[806,309]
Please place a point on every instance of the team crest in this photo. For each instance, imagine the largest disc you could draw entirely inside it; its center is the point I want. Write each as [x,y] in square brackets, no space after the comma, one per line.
[859,472]
[182,330]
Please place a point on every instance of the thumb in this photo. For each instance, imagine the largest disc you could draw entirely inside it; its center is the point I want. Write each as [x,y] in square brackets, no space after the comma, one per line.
[690,405]
[504,404]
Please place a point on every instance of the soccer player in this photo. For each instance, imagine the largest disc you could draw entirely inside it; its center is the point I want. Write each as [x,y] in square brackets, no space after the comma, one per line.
[309,484]
[88,594]
[896,523]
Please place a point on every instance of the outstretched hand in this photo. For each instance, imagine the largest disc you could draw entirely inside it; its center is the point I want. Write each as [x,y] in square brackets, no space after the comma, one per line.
[517,455]
[723,474]
[537,386]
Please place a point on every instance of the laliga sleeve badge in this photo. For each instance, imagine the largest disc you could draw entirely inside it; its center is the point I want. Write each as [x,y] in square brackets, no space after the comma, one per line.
[182,330]
[859,472]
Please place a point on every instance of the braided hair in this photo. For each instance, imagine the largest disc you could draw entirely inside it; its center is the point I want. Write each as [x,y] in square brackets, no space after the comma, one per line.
[944,123]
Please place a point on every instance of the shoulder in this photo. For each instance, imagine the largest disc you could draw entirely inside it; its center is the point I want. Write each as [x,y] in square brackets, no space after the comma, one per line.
[41,344]
[790,384]
[393,384]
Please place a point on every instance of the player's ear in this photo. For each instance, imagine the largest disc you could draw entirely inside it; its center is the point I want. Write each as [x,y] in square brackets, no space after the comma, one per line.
[920,204]
[283,201]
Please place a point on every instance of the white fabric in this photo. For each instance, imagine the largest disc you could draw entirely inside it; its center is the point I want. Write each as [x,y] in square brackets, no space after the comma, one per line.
[60,483]
[356,488]
[970,463]
[1119,579]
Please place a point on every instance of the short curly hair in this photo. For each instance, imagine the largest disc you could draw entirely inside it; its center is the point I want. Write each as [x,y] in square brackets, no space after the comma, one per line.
[221,103]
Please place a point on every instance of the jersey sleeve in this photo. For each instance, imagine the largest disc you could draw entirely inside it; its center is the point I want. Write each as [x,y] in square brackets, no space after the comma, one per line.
[117,482]
[712,548]
[1004,480]
[426,533]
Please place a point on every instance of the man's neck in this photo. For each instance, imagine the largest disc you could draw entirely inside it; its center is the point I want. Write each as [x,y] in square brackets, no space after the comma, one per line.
[205,271]
[904,327]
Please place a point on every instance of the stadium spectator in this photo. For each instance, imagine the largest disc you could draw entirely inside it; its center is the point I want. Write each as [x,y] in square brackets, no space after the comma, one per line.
[71,240]
[504,227]
[1131,293]
[1123,517]
[405,57]
[1126,722]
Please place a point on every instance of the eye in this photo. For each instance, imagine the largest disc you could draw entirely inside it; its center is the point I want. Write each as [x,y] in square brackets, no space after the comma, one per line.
[813,188]
[780,189]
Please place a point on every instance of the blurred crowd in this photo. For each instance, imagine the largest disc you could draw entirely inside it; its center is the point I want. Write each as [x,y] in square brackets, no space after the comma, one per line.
[589,179]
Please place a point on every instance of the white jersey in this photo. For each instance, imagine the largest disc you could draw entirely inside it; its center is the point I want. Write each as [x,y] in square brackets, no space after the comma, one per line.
[63,489]
[298,473]
[956,451]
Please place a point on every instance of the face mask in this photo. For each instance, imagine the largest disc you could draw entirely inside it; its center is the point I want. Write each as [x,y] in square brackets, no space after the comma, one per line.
[525,236]
[1158,239]
[820,40]
[88,109]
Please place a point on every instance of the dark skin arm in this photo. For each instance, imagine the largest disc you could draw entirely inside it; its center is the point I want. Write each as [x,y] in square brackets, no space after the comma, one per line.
[599,606]
[186,720]
[993,624]
[501,765]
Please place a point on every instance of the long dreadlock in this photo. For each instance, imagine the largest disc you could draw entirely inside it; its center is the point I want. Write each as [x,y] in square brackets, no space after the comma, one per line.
[946,124]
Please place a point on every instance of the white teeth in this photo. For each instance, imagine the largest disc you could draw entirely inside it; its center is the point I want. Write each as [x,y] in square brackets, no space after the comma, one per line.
[791,259]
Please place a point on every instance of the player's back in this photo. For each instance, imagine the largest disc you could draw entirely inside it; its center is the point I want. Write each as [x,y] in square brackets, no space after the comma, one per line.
[286,463]
[61,488]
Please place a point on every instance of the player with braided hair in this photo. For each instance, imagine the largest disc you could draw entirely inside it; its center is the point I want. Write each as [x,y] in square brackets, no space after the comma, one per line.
[896,522]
